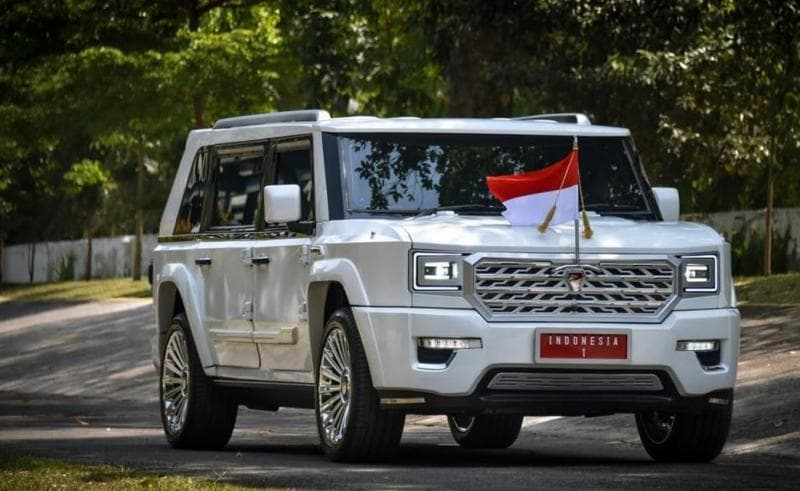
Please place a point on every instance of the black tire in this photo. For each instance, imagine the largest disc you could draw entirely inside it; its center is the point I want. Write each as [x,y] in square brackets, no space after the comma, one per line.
[684,437]
[485,430]
[209,416]
[369,433]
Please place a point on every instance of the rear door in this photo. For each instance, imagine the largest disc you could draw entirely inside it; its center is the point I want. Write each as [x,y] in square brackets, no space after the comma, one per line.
[280,316]
[237,176]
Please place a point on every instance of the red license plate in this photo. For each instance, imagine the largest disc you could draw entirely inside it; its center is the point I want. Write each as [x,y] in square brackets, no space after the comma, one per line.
[583,346]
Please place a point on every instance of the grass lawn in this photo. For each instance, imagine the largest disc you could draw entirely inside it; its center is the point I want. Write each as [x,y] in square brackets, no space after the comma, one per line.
[23,472]
[776,289]
[77,290]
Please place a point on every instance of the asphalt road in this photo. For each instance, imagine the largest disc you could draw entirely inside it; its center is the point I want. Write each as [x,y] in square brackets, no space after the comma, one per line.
[76,382]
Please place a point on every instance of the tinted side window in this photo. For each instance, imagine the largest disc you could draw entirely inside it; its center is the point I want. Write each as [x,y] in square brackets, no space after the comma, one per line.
[237,184]
[293,166]
[190,213]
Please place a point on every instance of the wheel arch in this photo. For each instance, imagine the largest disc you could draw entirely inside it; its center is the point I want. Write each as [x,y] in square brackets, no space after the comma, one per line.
[324,298]
[175,294]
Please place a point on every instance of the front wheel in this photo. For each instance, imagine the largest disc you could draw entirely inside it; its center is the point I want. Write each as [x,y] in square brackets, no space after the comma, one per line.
[351,424]
[684,437]
[485,430]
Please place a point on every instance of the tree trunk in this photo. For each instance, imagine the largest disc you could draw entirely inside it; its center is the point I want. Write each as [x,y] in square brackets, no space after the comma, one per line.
[768,223]
[199,110]
[474,91]
[137,247]
[31,260]
[88,256]
[198,100]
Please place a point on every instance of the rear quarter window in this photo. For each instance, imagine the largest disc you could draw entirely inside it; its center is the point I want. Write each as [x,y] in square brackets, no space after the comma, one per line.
[190,213]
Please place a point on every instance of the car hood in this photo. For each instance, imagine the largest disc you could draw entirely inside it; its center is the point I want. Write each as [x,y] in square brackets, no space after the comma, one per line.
[611,235]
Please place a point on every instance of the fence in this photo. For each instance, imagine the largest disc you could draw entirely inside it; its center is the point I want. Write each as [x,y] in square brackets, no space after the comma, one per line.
[745,231]
[112,257]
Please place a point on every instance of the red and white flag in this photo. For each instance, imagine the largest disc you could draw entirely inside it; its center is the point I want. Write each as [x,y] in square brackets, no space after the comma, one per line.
[530,196]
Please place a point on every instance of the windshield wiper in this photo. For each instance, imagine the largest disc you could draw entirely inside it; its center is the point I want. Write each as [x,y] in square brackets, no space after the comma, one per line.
[614,207]
[477,209]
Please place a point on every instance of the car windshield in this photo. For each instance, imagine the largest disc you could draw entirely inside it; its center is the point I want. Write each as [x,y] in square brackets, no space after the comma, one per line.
[411,173]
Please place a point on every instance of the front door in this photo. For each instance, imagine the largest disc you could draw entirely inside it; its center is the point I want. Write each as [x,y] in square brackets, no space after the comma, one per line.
[280,312]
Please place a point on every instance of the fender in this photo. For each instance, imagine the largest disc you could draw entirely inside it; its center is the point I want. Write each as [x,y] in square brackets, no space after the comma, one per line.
[179,277]
[344,272]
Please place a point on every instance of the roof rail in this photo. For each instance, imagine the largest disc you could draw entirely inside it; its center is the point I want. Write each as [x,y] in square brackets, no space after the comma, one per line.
[276,117]
[574,118]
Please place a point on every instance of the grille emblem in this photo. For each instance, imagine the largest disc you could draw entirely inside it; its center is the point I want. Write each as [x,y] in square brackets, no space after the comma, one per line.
[574,279]
[576,275]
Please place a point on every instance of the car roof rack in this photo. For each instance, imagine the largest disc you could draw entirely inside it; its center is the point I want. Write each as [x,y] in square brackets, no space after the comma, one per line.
[275,117]
[574,118]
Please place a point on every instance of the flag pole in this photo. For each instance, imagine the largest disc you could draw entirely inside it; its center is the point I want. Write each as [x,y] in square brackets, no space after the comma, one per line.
[577,230]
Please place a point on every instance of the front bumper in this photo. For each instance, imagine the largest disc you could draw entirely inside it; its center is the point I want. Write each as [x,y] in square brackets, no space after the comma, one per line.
[389,336]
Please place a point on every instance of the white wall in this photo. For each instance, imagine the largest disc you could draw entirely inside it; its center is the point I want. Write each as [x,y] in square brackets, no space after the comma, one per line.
[112,257]
[751,222]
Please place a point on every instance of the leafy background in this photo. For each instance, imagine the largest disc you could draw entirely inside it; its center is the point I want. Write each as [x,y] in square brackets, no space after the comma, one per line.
[96,97]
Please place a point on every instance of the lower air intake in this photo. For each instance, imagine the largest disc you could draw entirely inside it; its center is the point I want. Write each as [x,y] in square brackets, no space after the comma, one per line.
[606,382]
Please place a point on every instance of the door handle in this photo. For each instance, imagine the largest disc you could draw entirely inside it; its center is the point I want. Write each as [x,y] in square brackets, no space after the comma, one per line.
[203,261]
[260,260]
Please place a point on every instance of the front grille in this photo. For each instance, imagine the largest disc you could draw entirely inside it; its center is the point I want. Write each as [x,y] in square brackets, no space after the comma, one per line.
[513,288]
[633,382]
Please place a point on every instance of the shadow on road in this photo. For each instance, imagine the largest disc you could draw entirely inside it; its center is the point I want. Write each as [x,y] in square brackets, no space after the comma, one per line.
[76,382]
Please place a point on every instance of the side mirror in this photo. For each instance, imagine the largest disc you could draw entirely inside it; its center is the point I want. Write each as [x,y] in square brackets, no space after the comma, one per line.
[669,203]
[282,203]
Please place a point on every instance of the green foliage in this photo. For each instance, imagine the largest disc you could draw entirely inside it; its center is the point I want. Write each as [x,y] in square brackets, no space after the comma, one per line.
[747,252]
[778,289]
[709,89]
[65,270]
[87,176]
[76,291]
[28,472]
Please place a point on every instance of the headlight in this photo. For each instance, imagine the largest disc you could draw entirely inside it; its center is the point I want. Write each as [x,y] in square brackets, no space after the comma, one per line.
[699,274]
[437,271]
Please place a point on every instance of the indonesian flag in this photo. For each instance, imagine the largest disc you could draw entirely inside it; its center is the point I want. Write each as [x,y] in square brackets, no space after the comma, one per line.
[529,197]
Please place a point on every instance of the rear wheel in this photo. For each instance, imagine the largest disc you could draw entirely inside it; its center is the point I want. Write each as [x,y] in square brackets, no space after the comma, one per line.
[485,430]
[351,424]
[684,437]
[194,412]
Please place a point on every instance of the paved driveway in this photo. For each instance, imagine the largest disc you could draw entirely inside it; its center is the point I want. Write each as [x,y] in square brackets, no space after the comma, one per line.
[76,382]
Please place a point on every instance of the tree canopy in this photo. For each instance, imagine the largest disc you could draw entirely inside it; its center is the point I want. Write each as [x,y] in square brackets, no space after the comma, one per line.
[710,90]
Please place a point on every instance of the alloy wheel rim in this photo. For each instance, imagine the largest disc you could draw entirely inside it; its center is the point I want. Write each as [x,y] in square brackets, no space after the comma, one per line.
[335,387]
[658,426]
[463,423]
[175,383]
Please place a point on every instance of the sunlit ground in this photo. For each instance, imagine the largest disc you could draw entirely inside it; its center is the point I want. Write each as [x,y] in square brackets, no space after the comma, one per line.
[77,290]
[775,289]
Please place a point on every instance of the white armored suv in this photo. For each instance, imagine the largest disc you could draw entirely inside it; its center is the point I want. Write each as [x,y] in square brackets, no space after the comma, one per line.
[359,266]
